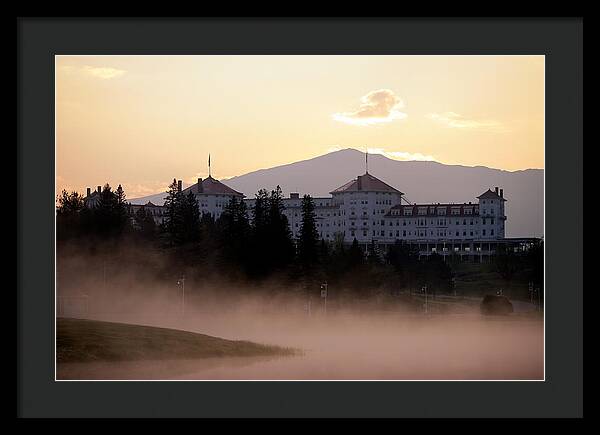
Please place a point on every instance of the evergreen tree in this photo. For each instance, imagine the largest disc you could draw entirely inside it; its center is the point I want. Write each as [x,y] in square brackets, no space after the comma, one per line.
[507,263]
[107,215]
[182,221]
[69,215]
[272,245]
[535,262]
[259,263]
[69,203]
[280,237]
[121,209]
[355,255]
[309,237]
[190,222]
[403,258]
[145,222]
[234,233]
[260,211]
[173,219]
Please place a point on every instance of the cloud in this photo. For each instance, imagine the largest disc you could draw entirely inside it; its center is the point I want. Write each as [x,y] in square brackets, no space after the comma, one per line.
[94,71]
[103,72]
[380,106]
[401,155]
[455,120]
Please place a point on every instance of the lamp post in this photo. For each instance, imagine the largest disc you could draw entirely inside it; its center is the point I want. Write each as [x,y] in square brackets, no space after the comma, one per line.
[424,290]
[181,282]
[324,294]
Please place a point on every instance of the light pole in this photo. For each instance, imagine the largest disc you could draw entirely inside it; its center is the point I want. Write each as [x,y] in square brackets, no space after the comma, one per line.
[424,290]
[181,282]
[324,294]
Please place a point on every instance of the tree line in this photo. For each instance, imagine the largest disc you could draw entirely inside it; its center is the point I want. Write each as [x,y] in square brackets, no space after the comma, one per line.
[255,244]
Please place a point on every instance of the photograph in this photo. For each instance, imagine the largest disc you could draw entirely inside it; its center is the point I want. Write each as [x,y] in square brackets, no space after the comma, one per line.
[299,217]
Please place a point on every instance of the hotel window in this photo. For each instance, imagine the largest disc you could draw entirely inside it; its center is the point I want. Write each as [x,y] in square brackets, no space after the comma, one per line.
[491,232]
[483,232]
[403,233]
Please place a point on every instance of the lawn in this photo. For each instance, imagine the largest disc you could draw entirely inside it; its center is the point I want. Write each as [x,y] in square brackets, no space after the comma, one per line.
[80,340]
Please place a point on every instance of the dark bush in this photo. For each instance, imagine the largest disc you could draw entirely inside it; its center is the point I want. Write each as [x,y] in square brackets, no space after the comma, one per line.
[496,305]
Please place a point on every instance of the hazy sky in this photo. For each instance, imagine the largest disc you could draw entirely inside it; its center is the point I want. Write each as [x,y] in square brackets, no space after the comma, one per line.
[143,120]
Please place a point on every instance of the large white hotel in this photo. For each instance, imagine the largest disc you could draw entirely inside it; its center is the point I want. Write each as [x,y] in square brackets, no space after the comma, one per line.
[373,212]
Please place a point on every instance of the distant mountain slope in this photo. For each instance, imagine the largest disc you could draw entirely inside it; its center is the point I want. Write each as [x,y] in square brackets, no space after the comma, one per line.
[420,182]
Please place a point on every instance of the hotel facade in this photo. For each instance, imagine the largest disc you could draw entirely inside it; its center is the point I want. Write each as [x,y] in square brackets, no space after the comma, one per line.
[376,214]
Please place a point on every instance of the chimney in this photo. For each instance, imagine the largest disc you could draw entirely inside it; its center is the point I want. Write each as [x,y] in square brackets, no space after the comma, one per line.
[99,189]
[501,193]
[496,189]
[200,187]
[359,182]
[89,191]
[179,186]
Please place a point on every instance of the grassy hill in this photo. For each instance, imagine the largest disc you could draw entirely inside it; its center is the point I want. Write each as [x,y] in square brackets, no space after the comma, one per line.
[89,340]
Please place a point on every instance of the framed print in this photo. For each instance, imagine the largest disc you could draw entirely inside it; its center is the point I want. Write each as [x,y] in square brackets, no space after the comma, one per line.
[362,227]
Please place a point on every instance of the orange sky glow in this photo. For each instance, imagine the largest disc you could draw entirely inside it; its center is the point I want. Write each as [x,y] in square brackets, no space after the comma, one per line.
[141,121]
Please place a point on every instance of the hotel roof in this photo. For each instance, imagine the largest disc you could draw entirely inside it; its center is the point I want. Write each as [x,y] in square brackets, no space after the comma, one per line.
[490,194]
[366,183]
[213,187]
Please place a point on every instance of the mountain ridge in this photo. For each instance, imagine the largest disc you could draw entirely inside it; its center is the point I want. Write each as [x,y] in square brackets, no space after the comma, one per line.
[422,182]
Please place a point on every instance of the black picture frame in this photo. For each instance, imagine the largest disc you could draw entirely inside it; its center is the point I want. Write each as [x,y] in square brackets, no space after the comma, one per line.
[560,40]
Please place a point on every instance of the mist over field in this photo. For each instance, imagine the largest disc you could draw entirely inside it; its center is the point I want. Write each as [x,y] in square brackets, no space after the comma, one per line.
[380,338]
